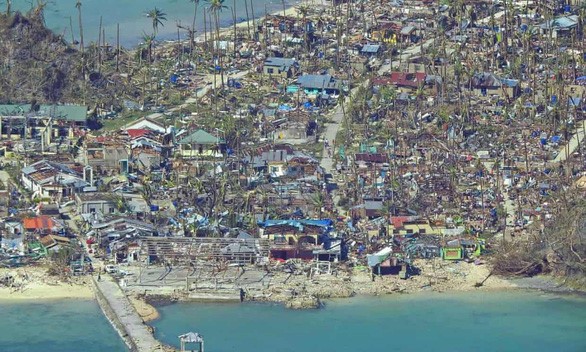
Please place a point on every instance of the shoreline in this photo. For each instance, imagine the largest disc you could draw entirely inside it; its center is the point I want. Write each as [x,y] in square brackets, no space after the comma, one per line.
[387,287]
[297,293]
[164,44]
[34,284]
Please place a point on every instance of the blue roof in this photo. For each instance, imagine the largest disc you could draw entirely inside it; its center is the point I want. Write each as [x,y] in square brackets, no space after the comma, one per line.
[574,101]
[564,22]
[318,82]
[510,82]
[370,48]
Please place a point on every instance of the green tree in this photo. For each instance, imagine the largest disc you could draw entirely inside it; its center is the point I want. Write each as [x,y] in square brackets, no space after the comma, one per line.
[147,44]
[157,17]
[318,202]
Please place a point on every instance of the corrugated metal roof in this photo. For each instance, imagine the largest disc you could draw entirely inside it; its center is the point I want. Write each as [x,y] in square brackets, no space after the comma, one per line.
[283,63]
[75,113]
[200,137]
[370,48]
[318,82]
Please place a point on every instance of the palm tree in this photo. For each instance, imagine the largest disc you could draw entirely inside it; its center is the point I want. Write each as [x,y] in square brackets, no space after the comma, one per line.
[247,18]
[318,202]
[215,7]
[157,16]
[78,6]
[195,6]
[303,10]
[148,40]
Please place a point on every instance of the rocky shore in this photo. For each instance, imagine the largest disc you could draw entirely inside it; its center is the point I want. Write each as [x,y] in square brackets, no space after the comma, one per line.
[303,292]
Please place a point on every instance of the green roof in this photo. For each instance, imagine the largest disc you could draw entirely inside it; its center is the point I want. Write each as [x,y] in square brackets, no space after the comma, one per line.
[76,113]
[200,137]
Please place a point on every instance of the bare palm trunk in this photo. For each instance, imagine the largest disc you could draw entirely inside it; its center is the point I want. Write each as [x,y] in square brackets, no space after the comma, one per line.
[192,44]
[81,46]
[234,19]
[71,29]
[247,18]
[253,17]
[205,30]
[117,47]
[99,56]
[217,20]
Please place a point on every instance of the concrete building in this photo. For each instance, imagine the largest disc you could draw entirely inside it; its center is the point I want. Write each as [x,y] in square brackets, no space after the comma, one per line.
[50,179]
[278,66]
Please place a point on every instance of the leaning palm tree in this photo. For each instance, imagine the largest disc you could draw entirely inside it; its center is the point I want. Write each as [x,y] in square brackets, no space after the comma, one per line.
[157,17]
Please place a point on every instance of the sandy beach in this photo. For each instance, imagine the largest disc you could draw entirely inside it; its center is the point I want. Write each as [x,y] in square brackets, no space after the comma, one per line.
[33,283]
[146,311]
[229,30]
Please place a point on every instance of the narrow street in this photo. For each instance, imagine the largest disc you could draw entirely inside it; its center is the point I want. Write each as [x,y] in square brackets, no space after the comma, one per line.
[569,148]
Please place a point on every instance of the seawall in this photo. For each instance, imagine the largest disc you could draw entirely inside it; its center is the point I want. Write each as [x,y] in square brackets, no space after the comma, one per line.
[123,317]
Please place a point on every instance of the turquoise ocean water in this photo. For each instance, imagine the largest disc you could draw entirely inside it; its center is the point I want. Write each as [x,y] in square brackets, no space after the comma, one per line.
[56,326]
[514,321]
[476,322]
[131,15]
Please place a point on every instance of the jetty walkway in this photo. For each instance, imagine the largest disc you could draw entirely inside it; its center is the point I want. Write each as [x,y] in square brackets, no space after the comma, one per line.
[118,309]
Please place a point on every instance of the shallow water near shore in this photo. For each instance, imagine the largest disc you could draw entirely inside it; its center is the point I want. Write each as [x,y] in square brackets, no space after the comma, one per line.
[478,321]
[56,326]
[131,15]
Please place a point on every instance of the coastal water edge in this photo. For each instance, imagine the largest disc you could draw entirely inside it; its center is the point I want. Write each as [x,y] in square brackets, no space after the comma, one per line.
[56,326]
[132,18]
[483,321]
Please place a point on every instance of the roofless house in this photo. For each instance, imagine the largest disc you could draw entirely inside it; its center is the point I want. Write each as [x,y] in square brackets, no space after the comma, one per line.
[47,121]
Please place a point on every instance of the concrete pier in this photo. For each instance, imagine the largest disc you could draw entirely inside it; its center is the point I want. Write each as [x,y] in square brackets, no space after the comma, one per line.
[122,315]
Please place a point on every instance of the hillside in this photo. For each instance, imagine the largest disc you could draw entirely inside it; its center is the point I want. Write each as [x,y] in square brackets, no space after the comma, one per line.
[38,65]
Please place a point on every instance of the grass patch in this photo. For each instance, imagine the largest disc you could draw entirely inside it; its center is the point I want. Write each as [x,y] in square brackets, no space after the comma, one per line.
[119,122]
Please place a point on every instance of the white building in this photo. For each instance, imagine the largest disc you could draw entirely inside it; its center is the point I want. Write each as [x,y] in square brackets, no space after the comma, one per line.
[50,179]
